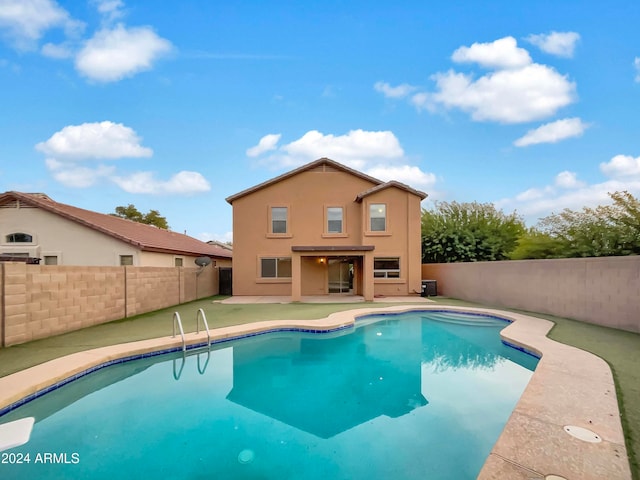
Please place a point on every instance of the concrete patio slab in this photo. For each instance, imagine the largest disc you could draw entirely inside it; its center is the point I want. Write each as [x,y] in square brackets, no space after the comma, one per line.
[247,299]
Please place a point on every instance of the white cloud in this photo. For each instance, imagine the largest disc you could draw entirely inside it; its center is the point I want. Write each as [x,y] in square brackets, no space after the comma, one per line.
[567,191]
[377,153]
[59,51]
[502,53]
[220,237]
[183,182]
[388,91]
[109,9]
[94,141]
[113,54]
[410,175]
[568,180]
[356,148]
[266,144]
[515,91]
[530,194]
[553,132]
[24,22]
[636,63]
[72,175]
[506,96]
[622,166]
[70,149]
[561,44]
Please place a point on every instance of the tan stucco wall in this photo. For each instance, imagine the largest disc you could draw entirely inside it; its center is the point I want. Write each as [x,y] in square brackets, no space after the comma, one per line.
[41,300]
[404,240]
[75,244]
[604,290]
[307,196]
[54,235]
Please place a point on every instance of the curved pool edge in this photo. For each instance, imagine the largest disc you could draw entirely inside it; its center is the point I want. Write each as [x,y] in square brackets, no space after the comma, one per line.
[569,387]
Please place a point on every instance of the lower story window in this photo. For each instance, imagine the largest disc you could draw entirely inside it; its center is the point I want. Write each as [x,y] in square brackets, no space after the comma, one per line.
[388,267]
[126,259]
[177,261]
[279,267]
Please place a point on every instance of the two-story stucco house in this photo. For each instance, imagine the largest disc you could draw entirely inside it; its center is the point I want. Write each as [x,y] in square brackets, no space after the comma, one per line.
[325,228]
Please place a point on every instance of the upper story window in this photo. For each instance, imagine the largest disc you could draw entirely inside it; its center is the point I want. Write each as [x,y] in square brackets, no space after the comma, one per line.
[178,261]
[279,219]
[126,260]
[19,238]
[378,217]
[334,220]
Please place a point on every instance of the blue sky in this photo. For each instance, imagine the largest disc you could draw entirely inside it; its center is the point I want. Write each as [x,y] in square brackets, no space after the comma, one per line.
[531,105]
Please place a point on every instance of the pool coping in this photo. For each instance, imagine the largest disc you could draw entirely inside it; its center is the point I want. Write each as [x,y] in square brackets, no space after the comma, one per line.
[570,387]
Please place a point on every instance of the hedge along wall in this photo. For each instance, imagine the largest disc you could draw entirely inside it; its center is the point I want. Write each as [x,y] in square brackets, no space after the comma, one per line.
[39,301]
[603,290]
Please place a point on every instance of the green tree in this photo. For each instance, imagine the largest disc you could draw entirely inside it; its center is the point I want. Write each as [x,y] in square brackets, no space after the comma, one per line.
[536,244]
[468,232]
[153,217]
[594,232]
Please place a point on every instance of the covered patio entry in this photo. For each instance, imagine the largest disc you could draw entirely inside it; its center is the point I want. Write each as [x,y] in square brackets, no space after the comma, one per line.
[344,270]
[341,274]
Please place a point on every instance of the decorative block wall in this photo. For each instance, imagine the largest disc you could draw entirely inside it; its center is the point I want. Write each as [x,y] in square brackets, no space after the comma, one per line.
[602,290]
[39,301]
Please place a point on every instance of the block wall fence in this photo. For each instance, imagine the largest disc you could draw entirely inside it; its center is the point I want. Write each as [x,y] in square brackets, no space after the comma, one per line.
[603,290]
[39,301]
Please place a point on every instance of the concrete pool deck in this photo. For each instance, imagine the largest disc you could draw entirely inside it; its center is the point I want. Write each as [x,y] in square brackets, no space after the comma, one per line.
[570,387]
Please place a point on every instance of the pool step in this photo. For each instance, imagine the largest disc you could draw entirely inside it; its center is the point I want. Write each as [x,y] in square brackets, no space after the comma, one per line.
[470,320]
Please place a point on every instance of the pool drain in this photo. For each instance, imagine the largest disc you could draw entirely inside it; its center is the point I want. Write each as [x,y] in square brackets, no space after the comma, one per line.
[246,456]
[583,434]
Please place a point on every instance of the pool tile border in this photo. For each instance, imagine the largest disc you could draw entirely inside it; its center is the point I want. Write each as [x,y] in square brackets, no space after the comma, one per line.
[569,387]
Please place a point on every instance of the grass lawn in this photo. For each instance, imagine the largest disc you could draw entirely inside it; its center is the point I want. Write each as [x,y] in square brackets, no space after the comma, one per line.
[619,348]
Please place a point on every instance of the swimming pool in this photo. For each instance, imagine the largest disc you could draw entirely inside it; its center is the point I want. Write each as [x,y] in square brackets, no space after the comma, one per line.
[413,395]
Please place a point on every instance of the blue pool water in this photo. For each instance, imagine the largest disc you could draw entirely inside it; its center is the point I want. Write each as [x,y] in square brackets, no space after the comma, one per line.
[407,396]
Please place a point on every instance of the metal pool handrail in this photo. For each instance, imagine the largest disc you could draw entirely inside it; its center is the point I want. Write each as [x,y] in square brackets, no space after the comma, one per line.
[176,319]
[200,313]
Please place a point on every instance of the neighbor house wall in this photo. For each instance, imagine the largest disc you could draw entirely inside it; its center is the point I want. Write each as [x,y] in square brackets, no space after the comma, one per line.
[39,301]
[71,242]
[76,244]
[603,290]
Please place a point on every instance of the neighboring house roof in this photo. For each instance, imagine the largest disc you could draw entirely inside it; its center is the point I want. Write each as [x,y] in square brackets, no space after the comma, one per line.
[145,237]
[379,184]
[226,246]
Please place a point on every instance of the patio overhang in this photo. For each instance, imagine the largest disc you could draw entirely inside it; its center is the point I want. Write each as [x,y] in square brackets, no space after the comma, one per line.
[332,248]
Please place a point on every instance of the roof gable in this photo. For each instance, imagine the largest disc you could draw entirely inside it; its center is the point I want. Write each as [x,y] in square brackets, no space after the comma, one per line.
[391,184]
[325,163]
[145,237]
